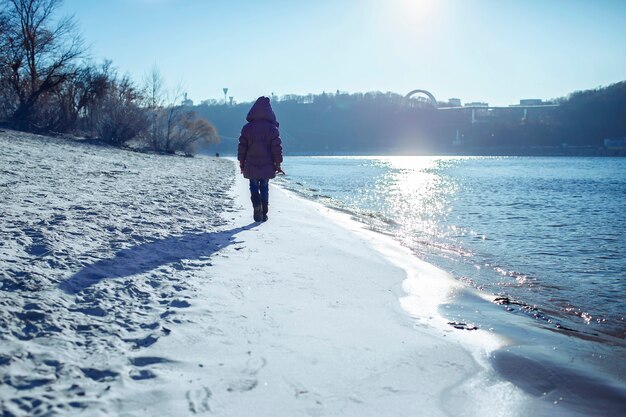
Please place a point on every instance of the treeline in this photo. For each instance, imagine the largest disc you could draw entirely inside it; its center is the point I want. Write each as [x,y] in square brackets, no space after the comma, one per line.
[578,125]
[591,115]
[386,123]
[47,85]
[335,122]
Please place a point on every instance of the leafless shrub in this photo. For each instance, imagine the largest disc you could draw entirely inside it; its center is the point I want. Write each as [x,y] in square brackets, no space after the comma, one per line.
[189,131]
[171,128]
[117,117]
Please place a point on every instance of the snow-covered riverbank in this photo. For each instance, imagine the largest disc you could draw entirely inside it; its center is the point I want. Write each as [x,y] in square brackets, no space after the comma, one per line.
[96,249]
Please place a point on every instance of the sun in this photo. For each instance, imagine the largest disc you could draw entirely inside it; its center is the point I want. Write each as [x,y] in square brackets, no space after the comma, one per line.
[410,15]
[415,11]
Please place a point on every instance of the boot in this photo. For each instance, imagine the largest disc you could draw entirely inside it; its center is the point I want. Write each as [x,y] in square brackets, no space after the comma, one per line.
[265,210]
[258,213]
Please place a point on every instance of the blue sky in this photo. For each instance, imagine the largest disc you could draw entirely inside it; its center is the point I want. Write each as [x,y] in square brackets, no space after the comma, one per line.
[478,50]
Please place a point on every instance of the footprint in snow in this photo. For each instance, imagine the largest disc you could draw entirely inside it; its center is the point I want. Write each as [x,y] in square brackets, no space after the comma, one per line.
[141,374]
[142,361]
[180,304]
[143,342]
[242,385]
[198,400]
[254,365]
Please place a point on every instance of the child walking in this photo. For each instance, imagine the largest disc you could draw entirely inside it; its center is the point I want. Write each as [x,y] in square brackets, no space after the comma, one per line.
[260,154]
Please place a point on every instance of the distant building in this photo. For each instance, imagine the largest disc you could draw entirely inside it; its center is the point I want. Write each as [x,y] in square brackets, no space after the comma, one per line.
[187,101]
[454,102]
[477,104]
[531,102]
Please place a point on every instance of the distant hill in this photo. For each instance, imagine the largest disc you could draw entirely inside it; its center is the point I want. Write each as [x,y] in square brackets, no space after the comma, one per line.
[384,123]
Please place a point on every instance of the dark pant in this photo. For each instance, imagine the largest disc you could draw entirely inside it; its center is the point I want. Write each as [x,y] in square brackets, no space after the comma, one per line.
[259,191]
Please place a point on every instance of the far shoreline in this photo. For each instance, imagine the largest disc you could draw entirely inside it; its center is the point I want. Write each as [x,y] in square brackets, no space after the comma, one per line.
[476,153]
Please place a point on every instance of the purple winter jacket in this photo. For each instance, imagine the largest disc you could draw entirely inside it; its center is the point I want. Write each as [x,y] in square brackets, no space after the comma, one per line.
[260,148]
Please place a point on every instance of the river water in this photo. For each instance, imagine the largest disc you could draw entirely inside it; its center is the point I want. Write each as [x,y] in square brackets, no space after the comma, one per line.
[545,236]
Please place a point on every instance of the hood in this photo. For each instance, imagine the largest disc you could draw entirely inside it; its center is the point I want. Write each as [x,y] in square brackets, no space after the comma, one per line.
[262,109]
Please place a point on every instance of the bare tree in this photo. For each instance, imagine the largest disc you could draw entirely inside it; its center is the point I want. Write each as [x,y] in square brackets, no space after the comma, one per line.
[184,130]
[7,95]
[39,53]
[189,131]
[171,128]
[154,94]
[173,114]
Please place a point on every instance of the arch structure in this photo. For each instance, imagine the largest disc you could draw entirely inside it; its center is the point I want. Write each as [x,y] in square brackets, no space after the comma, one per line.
[432,99]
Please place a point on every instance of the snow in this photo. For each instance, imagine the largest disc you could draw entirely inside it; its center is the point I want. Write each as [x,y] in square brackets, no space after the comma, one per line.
[138,285]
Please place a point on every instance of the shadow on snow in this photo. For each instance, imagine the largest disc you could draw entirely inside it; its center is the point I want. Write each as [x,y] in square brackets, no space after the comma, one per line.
[148,256]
